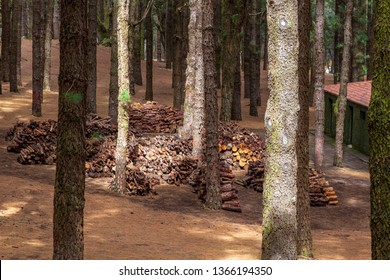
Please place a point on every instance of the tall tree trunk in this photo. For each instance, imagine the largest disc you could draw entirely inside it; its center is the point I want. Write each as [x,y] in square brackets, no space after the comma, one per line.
[48,37]
[254,43]
[184,50]
[113,90]
[56,20]
[217,9]
[358,41]
[342,99]
[92,71]
[158,46]
[68,220]
[370,35]
[319,99]
[137,73]
[236,98]
[169,32]
[279,239]
[177,69]
[247,52]
[193,118]
[378,129]
[5,38]
[149,55]
[232,20]
[13,51]
[26,19]
[38,55]
[120,183]
[337,42]
[265,54]
[19,46]
[305,245]
[213,197]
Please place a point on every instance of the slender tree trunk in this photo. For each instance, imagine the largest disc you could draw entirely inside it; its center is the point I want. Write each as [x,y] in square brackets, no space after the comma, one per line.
[255,60]
[213,197]
[370,35]
[358,43]
[56,20]
[232,20]
[149,56]
[217,41]
[319,99]
[177,69]
[279,239]
[26,31]
[48,37]
[236,98]
[193,118]
[337,38]
[184,50]
[379,137]
[92,71]
[342,99]
[123,18]
[137,75]
[305,245]
[265,54]
[247,52]
[158,46]
[68,220]
[13,51]
[38,55]
[169,32]
[5,38]
[19,46]
[113,97]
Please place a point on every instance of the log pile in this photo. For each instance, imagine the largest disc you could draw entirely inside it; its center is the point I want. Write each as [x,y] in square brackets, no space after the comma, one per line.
[229,194]
[321,194]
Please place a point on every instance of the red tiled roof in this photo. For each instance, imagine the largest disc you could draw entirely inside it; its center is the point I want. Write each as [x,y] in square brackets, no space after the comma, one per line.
[358,92]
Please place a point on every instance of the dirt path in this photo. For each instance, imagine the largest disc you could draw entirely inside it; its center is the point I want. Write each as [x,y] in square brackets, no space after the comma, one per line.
[173,224]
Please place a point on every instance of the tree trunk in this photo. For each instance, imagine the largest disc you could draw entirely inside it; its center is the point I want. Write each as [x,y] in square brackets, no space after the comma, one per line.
[265,54]
[158,46]
[319,99]
[232,20]
[247,52]
[217,9]
[254,42]
[169,32]
[19,46]
[56,20]
[236,98]
[26,19]
[92,71]
[342,99]
[184,50]
[358,41]
[378,129]
[280,186]
[305,245]
[5,38]
[370,35]
[13,51]
[38,55]
[48,37]
[113,91]
[177,69]
[68,239]
[193,118]
[337,42]
[149,55]
[213,197]
[123,18]
[137,73]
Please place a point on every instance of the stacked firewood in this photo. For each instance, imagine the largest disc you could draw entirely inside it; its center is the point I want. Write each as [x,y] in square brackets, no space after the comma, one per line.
[153,117]
[238,146]
[229,194]
[321,194]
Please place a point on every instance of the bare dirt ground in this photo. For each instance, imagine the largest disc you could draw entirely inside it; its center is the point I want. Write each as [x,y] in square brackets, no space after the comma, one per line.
[173,224]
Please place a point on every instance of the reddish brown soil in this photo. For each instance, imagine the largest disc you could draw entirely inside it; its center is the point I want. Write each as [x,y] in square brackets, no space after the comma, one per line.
[173,224]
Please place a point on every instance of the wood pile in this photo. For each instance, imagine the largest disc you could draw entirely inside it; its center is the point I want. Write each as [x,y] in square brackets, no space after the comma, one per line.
[153,117]
[229,194]
[321,194]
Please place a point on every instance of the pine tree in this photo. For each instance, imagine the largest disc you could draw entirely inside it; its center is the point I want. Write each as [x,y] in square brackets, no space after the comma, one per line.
[13,51]
[280,186]
[68,239]
[113,89]
[5,38]
[92,71]
[378,129]
[149,55]
[342,99]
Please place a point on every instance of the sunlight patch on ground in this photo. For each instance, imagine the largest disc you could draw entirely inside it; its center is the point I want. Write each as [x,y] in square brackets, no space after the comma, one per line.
[35,243]
[11,208]
[105,213]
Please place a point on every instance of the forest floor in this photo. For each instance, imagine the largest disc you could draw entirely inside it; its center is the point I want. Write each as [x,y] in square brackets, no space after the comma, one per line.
[173,224]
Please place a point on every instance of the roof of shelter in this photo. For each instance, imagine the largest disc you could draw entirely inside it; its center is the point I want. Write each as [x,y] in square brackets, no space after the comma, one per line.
[358,92]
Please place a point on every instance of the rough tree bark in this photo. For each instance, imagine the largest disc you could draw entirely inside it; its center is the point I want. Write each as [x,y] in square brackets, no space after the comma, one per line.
[13,51]
[5,38]
[119,184]
[254,43]
[378,129]
[169,31]
[56,20]
[68,238]
[304,246]
[342,99]
[113,90]
[213,197]
[38,59]
[48,37]
[280,186]
[92,71]
[217,9]
[236,94]
[137,73]
[149,55]
[319,100]
[193,118]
